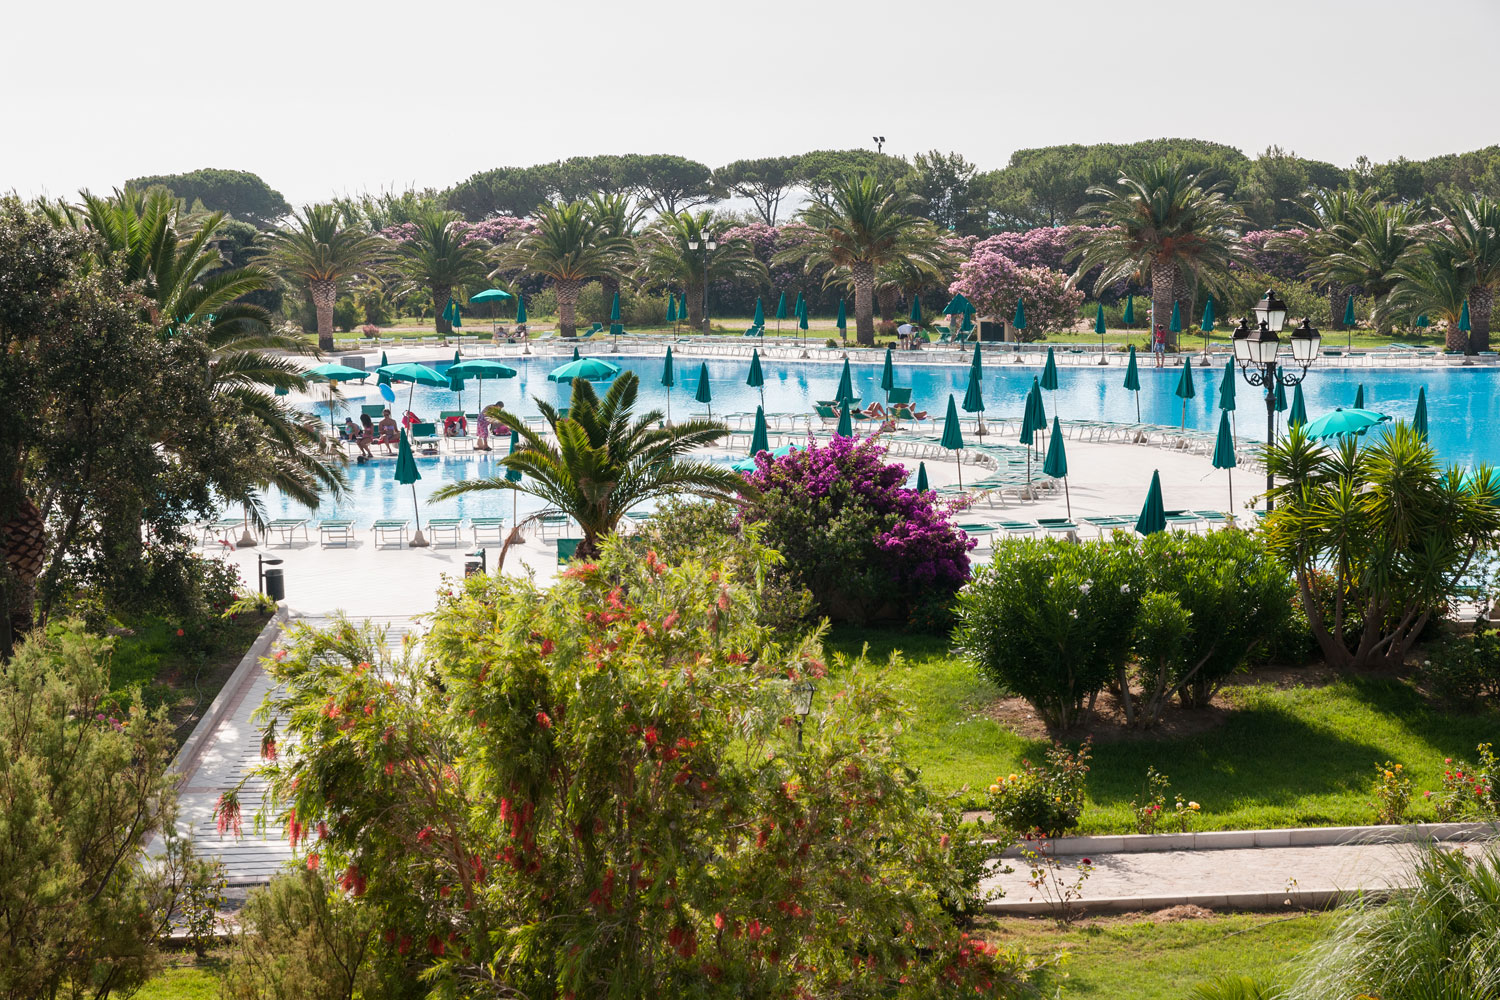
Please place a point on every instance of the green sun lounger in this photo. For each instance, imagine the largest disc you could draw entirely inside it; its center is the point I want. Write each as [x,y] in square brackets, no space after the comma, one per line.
[445,528]
[217,529]
[483,526]
[336,531]
[286,527]
[567,548]
[384,529]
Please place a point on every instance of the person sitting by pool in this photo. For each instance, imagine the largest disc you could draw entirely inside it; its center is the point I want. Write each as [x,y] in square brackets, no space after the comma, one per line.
[455,426]
[389,432]
[350,431]
[366,438]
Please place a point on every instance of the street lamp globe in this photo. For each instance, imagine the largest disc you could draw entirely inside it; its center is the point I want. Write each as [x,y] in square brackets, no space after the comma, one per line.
[1306,342]
[1264,345]
[692,244]
[802,698]
[1271,312]
[1241,343]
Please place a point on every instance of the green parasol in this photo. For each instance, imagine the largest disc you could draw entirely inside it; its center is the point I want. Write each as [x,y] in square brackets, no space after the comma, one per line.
[415,374]
[704,394]
[1100,329]
[407,474]
[1129,316]
[1153,515]
[490,295]
[381,378]
[974,395]
[846,385]
[842,322]
[846,424]
[520,310]
[671,307]
[953,436]
[1280,397]
[1349,320]
[756,380]
[1344,423]
[1049,372]
[1133,382]
[1176,324]
[455,379]
[1056,465]
[1226,386]
[1423,322]
[588,369]
[916,310]
[760,439]
[1463,318]
[958,306]
[1224,452]
[333,373]
[801,316]
[1298,415]
[1419,419]
[668,379]
[780,312]
[922,486]
[888,373]
[1207,326]
[482,369]
[760,314]
[1359,397]
[1185,390]
[1019,319]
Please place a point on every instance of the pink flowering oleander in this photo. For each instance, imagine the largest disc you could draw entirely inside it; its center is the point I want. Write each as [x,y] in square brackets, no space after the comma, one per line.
[494,230]
[1287,265]
[917,546]
[993,283]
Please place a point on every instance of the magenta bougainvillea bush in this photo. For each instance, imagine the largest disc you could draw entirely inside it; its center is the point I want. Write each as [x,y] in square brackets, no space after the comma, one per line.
[866,546]
[993,282]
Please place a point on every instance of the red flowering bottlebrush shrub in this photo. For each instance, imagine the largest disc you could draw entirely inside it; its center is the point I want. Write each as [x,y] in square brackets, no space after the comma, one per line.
[597,790]
[866,546]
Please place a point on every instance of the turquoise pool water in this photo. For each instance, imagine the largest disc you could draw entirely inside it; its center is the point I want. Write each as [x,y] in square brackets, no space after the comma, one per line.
[1463,409]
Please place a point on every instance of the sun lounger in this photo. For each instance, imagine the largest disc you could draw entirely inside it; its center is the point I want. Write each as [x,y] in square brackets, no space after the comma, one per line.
[566,549]
[898,395]
[384,529]
[217,529]
[552,522]
[1214,517]
[286,527]
[424,435]
[483,526]
[1019,527]
[335,531]
[1182,519]
[373,410]
[444,528]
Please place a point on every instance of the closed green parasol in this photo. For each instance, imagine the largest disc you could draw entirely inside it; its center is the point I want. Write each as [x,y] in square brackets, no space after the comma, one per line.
[520,310]
[756,380]
[1359,397]
[1185,390]
[1298,415]
[668,379]
[1419,419]
[760,314]
[846,423]
[1176,324]
[916,310]
[780,312]
[1099,326]
[1463,318]
[1049,372]
[381,378]
[671,307]
[1128,318]
[953,436]
[1019,319]
[407,474]
[888,373]
[922,486]
[760,439]
[842,322]
[704,394]
[974,394]
[455,379]
[1153,514]
[1056,464]
[1349,312]
[1224,453]
[1133,382]
[1207,326]
[845,391]
[1226,387]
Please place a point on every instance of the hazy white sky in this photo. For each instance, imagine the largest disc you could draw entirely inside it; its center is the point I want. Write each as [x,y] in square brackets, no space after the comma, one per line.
[322,98]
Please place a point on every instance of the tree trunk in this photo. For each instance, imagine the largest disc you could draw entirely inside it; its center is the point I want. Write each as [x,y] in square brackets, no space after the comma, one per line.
[1338,301]
[864,303]
[24,538]
[693,303]
[1455,339]
[1163,288]
[889,297]
[610,287]
[1481,307]
[567,306]
[440,296]
[324,292]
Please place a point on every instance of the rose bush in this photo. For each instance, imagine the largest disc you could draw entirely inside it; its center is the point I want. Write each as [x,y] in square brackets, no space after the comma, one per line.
[597,790]
[866,546]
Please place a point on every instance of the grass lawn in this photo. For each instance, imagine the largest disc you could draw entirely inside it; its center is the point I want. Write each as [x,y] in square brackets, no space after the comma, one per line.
[186,977]
[1284,756]
[1131,958]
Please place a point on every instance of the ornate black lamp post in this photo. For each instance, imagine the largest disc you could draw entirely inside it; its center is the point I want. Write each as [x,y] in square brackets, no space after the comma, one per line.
[1256,350]
[802,699]
[709,245]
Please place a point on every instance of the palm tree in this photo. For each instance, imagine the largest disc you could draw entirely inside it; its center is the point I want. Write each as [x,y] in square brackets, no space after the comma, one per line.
[319,251]
[1433,281]
[1469,234]
[675,251]
[442,259]
[1160,222]
[619,219]
[1372,241]
[604,460]
[572,248]
[861,226]
[1327,234]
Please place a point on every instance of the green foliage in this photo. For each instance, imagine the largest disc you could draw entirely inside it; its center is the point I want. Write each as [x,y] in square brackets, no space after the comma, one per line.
[303,938]
[442,260]
[1392,794]
[1470,791]
[324,253]
[764,181]
[239,193]
[596,790]
[1463,669]
[1379,534]
[711,531]
[1042,800]
[80,909]
[1438,939]
[1052,620]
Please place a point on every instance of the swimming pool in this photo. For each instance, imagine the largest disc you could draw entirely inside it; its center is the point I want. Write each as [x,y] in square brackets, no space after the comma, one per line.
[1463,407]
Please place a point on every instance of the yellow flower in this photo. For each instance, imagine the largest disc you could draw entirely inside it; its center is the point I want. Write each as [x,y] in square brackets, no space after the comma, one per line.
[1398,767]
[1012,778]
[1057,798]
[994,789]
[1389,774]
[1193,805]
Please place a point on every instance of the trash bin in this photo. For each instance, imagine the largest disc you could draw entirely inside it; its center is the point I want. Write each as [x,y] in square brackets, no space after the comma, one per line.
[275,583]
[474,562]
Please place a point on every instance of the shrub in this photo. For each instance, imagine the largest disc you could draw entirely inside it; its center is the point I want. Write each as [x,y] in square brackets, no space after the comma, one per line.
[1042,801]
[1162,628]
[993,283]
[1149,810]
[596,790]
[1464,669]
[1470,791]
[1052,620]
[866,547]
[346,313]
[1392,794]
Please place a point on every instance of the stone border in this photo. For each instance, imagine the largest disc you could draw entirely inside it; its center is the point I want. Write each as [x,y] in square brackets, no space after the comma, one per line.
[1295,899]
[186,762]
[1218,840]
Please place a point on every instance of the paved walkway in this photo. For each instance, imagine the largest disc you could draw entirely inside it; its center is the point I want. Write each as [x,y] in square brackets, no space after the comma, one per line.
[229,753]
[1231,878]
